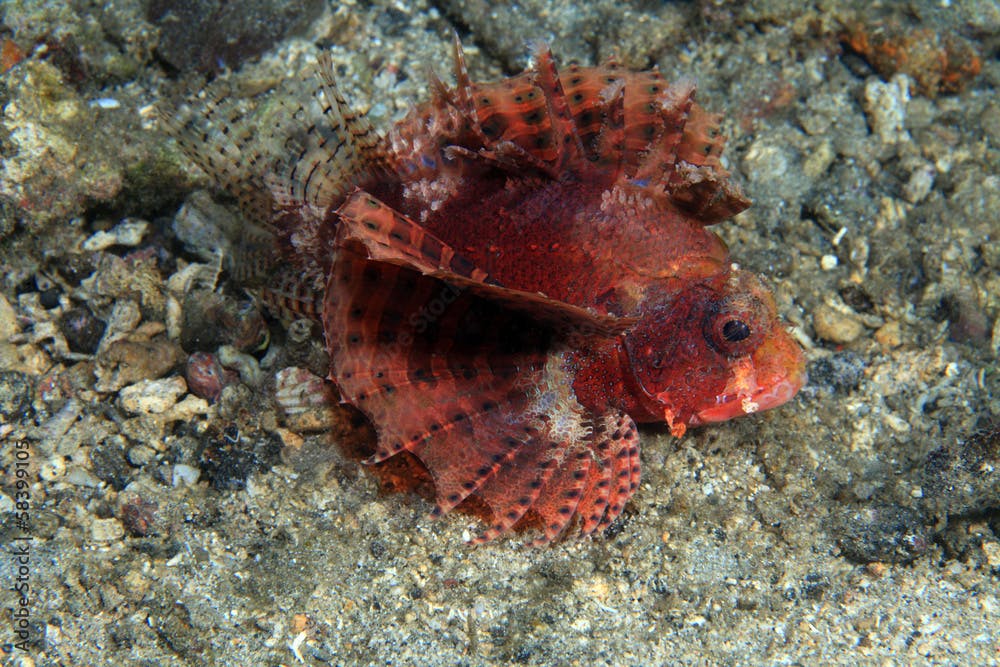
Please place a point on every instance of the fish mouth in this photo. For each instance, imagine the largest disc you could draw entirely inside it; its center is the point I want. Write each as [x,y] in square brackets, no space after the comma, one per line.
[729,406]
[768,378]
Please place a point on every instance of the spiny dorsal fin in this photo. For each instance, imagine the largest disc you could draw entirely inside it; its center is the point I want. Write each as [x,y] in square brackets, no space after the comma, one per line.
[463,83]
[706,193]
[610,141]
[567,141]
[326,148]
[657,163]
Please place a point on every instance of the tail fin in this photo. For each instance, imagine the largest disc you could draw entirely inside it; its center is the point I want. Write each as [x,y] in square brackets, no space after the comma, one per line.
[288,157]
[218,135]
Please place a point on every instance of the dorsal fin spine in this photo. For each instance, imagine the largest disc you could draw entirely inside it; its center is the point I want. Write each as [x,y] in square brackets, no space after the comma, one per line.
[567,139]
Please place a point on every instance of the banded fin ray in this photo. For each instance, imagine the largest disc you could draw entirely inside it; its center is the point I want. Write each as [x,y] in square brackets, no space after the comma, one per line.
[477,392]
[389,236]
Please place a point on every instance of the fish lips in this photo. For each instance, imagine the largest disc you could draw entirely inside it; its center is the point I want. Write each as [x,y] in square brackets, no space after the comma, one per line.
[778,373]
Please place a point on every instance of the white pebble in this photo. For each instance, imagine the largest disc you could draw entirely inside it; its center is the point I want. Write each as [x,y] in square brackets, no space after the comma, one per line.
[140,455]
[78,476]
[52,469]
[885,104]
[8,320]
[828,262]
[107,530]
[152,396]
[920,184]
[128,232]
[105,103]
[839,236]
[186,475]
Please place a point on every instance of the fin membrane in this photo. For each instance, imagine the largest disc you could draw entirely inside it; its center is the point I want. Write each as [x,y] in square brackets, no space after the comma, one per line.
[389,236]
[480,393]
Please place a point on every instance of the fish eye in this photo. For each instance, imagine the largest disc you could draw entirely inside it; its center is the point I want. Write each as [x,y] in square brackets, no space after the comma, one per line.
[735,330]
[735,326]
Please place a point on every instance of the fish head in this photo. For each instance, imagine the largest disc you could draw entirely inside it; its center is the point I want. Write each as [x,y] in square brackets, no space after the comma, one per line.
[711,351]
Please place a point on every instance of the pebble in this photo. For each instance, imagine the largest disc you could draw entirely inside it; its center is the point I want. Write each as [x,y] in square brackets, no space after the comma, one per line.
[835,326]
[136,585]
[25,358]
[961,477]
[889,335]
[882,532]
[140,455]
[52,468]
[200,225]
[15,395]
[205,375]
[152,396]
[210,319]
[8,320]
[992,552]
[185,474]
[127,233]
[53,430]
[920,184]
[766,162]
[105,103]
[126,362]
[819,160]
[124,318]
[885,104]
[107,530]
[82,330]
[187,409]
[138,515]
[78,476]
[108,462]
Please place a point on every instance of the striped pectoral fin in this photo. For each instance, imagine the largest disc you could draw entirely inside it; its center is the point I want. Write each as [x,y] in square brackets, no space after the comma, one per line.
[323,147]
[440,373]
[476,391]
[291,294]
[596,478]
[391,237]
[622,451]
[219,136]
[517,487]
[563,493]
[556,478]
